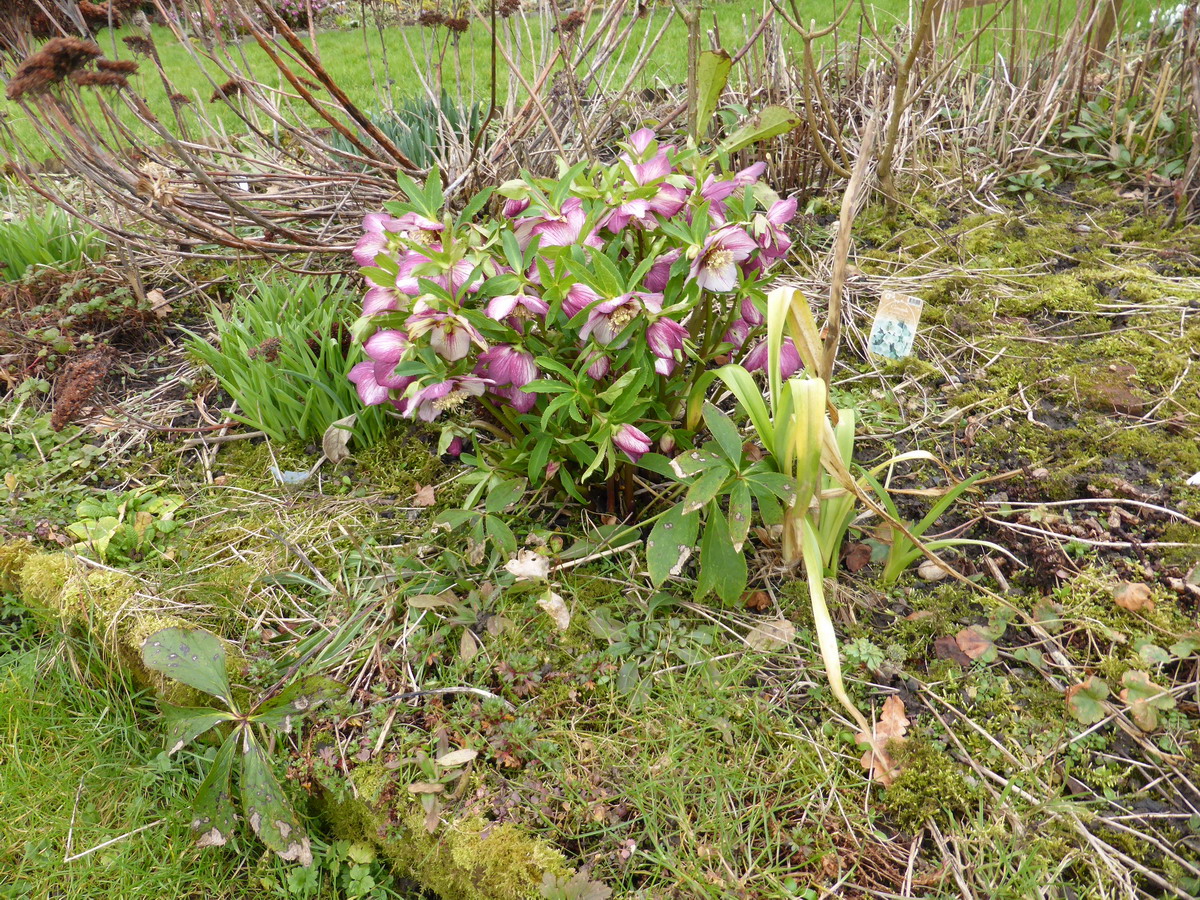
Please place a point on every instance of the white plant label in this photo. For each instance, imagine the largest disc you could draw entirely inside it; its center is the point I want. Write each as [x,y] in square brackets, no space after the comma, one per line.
[895,326]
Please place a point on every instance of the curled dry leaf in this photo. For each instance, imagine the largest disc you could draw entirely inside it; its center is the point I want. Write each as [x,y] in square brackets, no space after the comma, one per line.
[337,437]
[556,608]
[528,565]
[424,496]
[931,571]
[456,758]
[892,725]
[1134,597]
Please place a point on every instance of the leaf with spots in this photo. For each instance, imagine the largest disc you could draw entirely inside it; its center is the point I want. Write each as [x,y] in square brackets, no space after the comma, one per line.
[722,568]
[705,488]
[670,543]
[186,723]
[725,433]
[296,701]
[268,811]
[739,513]
[212,810]
[194,657]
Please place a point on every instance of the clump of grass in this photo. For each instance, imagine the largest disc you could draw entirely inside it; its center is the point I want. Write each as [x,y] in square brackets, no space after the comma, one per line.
[283,353]
[51,239]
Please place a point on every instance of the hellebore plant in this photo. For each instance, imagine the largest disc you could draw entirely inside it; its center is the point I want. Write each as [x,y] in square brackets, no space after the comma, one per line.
[571,326]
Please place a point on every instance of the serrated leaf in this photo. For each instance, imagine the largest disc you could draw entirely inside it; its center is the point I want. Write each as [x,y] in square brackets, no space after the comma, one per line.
[705,488]
[670,543]
[186,723]
[722,569]
[725,433]
[740,513]
[192,656]
[267,810]
[296,701]
[1085,702]
[212,810]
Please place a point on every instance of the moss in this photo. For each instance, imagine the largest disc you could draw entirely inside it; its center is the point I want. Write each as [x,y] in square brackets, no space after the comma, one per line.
[931,786]
[43,578]
[467,859]
[12,557]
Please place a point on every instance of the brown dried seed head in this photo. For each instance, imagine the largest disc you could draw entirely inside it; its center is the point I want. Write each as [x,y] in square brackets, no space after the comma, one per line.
[571,22]
[458,24]
[229,89]
[124,66]
[99,16]
[138,44]
[100,79]
[178,99]
[57,59]
[431,18]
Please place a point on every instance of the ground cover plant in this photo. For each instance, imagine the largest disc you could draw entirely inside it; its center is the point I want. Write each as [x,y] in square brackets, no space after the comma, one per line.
[547,518]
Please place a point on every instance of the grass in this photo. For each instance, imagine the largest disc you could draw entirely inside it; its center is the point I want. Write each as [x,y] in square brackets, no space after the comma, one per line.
[82,767]
[390,57]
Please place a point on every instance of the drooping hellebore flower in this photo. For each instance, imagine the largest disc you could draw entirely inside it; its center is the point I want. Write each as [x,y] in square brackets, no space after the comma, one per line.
[509,370]
[631,441]
[717,191]
[598,365]
[444,396]
[578,298]
[556,229]
[515,309]
[660,271]
[374,379]
[665,338]
[789,358]
[608,319]
[772,239]
[715,267]
[375,239]
[380,299]
[370,391]
[450,335]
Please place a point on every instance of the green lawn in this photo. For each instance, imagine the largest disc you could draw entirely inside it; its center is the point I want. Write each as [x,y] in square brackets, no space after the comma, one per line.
[363,59]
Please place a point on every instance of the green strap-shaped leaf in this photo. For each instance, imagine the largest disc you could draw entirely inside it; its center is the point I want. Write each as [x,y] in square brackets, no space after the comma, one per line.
[670,543]
[712,74]
[296,701]
[193,656]
[212,810]
[268,811]
[722,568]
[186,723]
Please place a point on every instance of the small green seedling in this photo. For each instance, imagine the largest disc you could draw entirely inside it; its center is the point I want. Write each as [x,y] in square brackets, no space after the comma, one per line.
[197,658]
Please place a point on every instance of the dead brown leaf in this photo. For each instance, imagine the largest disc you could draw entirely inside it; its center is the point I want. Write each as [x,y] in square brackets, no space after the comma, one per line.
[1134,597]
[974,644]
[756,601]
[946,647]
[892,725]
[856,557]
[424,496]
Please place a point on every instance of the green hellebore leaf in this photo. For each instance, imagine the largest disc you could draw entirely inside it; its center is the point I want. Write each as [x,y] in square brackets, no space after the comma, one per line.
[190,655]
[268,811]
[212,810]
[670,543]
[296,701]
[186,723]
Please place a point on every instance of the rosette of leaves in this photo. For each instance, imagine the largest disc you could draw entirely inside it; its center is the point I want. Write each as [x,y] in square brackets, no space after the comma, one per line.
[196,657]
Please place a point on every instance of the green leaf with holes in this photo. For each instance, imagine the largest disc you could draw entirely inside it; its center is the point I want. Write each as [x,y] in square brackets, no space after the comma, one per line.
[296,701]
[267,809]
[212,810]
[670,543]
[186,723]
[194,657]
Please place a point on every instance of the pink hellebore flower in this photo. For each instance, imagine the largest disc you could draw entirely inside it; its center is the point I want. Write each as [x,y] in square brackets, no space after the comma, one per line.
[370,391]
[380,299]
[444,396]
[631,441]
[514,309]
[737,333]
[598,365]
[556,230]
[513,207]
[578,298]
[789,358]
[376,228]
[717,191]
[660,272]
[608,319]
[509,370]
[773,240]
[715,266]
[450,335]
[385,348]
[665,338]
[751,314]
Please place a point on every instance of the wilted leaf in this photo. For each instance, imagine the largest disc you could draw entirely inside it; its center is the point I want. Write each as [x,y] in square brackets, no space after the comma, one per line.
[556,608]
[1185,646]
[337,438]
[456,758]
[212,810]
[1085,702]
[946,647]
[268,811]
[756,601]
[1048,614]
[1134,596]
[976,644]
[856,556]
[771,635]
[529,565]
[185,724]
[1146,699]
[426,787]
[424,496]
[468,645]
[193,656]
[892,725]
[928,570]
